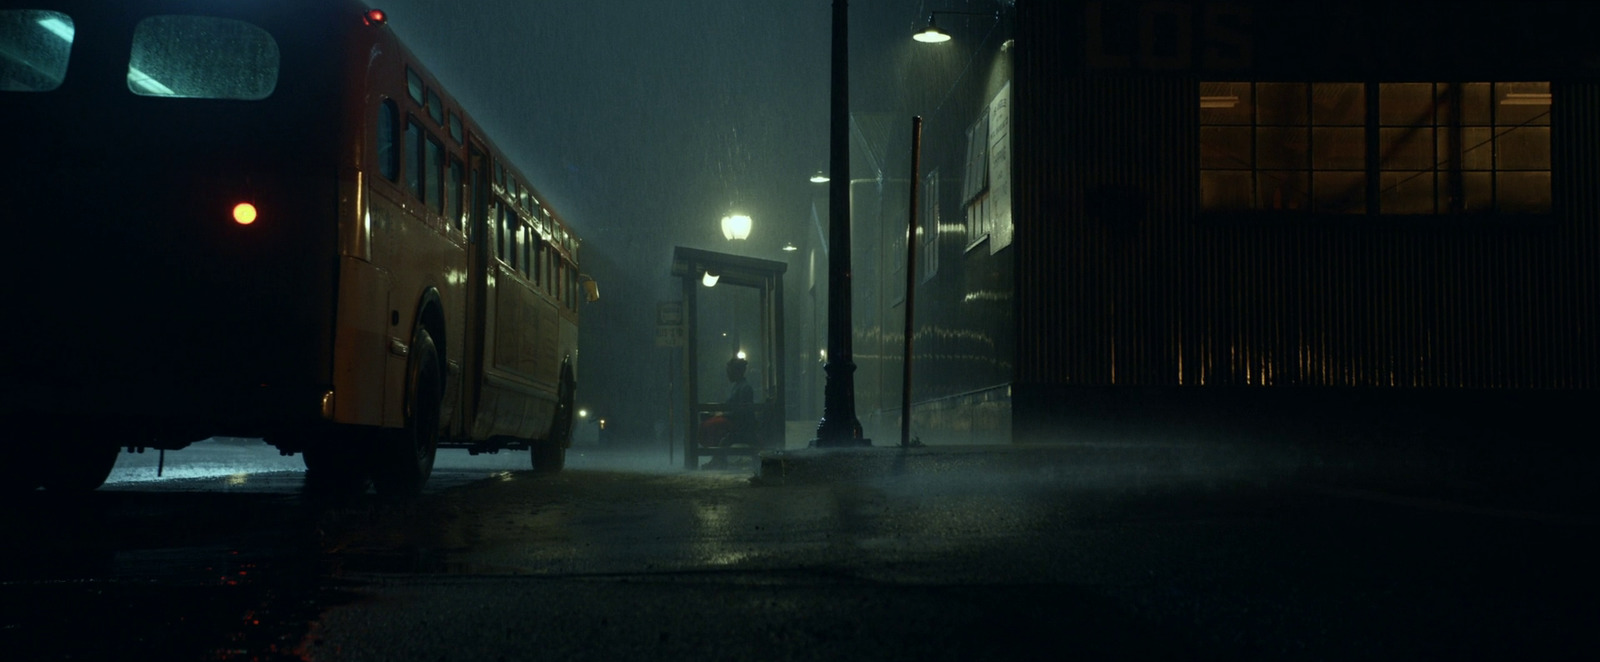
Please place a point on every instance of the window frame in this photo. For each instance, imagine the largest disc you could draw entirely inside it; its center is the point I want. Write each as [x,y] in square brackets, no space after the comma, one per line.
[1382,139]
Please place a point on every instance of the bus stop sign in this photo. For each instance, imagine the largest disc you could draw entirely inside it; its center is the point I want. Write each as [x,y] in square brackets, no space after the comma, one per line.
[670,331]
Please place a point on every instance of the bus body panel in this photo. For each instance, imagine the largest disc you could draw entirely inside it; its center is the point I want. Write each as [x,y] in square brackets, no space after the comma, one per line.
[161,314]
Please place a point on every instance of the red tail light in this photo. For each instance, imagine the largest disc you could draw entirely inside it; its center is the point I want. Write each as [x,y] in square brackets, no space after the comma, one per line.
[376,17]
[244,213]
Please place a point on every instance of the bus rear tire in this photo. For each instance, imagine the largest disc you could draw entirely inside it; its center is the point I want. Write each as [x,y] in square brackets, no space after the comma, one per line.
[404,457]
[550,453]
[77,465]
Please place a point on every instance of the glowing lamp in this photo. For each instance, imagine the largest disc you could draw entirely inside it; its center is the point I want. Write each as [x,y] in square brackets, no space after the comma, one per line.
[376,17]
[244,213]
[710,279]
[736,226]
[931,34]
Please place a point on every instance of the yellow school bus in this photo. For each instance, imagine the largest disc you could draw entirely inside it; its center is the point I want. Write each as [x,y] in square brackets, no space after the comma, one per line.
[266,218]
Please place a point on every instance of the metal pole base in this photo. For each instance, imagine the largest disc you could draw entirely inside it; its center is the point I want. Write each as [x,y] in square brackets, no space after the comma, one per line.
[839,427]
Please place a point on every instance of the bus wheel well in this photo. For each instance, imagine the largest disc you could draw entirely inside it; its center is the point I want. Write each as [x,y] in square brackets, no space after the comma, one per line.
[430,316]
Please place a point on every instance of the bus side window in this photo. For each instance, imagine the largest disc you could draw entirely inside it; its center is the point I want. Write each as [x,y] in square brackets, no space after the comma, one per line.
[414,85]
[500,230]
[494,225]
[527,251]
[457,206]
[516,246]
[388,154]
[435,107]
[414,173]
[508,225]
[538,261]
[435,174]
[477,195]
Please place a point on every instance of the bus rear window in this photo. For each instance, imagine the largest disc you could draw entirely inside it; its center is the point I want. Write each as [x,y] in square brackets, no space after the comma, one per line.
[202,57]
[34,47]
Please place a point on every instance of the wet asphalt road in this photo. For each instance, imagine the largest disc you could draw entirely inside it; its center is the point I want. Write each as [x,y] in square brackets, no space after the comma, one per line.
[625,557]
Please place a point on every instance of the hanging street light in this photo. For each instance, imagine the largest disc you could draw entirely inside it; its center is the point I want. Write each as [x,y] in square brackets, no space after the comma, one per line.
[934,35]
[931,34]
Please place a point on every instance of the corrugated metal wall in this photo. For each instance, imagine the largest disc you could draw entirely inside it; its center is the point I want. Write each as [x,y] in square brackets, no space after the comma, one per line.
[1121,282]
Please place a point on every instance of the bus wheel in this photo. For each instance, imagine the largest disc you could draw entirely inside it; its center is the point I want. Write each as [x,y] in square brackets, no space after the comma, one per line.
[404,457]
[550,453]
[77,465]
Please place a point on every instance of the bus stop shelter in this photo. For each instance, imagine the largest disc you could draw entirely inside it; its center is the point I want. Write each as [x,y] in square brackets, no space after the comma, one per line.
[733,310]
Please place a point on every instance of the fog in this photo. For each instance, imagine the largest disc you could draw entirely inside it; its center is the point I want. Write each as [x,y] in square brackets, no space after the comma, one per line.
[643,123]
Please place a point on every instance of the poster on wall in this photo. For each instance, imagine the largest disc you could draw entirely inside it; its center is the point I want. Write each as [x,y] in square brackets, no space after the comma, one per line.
[975,182]
[999,199]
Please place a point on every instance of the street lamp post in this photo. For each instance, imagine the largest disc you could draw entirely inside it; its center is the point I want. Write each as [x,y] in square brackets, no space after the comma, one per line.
[839,426]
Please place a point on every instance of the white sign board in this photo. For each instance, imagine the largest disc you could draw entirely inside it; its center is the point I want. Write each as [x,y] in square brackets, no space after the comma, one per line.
[670,331]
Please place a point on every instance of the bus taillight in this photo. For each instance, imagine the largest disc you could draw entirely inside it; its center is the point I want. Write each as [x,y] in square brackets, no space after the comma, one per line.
[244,213]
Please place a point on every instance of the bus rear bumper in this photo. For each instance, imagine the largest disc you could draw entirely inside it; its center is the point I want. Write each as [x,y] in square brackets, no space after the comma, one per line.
[164,417]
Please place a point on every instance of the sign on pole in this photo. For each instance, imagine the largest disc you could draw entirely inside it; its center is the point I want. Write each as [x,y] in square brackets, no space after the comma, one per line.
[670,331]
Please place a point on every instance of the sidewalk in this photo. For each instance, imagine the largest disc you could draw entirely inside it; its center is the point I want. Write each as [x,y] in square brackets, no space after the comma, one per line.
[1541,482]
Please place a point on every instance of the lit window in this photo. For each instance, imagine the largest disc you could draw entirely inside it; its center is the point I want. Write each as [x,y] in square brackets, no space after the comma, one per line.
[1441,148]
[34,48]
[1464,148]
